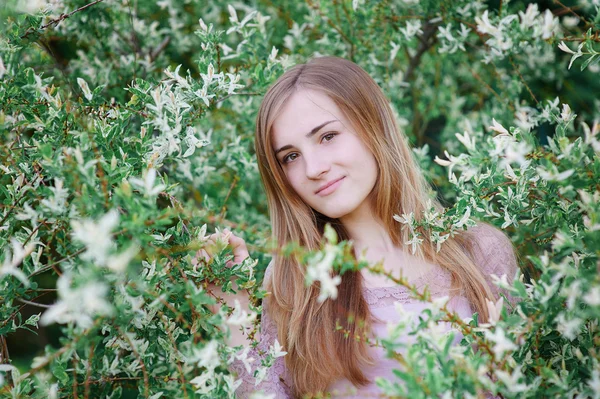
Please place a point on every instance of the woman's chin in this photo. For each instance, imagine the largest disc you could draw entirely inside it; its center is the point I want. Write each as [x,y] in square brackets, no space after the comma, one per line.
[336,212]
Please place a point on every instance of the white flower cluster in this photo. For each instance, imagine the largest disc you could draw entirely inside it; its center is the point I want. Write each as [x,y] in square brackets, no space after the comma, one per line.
[78,305]
[450,43]
[172,99]
[532,24]
[320,267]
[98,241]
[10,265]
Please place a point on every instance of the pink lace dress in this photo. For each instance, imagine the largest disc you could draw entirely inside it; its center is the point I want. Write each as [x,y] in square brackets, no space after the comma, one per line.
[495,255]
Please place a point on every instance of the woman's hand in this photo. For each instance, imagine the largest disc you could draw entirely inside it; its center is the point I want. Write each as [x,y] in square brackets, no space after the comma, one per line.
[238,245]
[240,253]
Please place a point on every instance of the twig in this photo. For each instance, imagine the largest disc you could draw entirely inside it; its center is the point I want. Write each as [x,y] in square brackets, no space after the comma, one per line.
[61,18]
[160,48]
[139,358]
[237,94]
[17,202]
[523,80]
[427,40]
[570,9]
[39,305]
[4,356]
[74,385]
[231,187]
[65,348]
[86,388]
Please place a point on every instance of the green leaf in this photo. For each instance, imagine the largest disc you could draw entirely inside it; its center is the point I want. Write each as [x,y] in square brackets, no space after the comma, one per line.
[589,60]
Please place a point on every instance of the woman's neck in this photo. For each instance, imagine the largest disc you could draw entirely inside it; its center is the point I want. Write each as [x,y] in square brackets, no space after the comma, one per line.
[366,231]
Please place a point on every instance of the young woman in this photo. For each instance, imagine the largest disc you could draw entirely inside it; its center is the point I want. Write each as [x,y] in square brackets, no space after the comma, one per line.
[329,151]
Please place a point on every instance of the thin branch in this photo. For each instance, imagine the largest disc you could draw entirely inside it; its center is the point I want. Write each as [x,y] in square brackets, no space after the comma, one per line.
[523,80]
[237,94]
[427,39]
[231,187]
[142,364]
[160,48]
[86,388]
[39,305]
[61,18]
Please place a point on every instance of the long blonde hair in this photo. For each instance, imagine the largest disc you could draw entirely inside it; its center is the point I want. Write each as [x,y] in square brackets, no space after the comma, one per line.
[317,353]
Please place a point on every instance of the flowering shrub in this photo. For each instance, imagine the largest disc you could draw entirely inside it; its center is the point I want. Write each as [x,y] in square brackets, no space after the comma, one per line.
[127,133]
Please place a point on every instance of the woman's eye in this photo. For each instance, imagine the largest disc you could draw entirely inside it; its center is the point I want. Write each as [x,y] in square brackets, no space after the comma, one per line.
[289,157]
[329,136]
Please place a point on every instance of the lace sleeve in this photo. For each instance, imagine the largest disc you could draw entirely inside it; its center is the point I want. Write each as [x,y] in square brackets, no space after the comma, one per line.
[276,381]
[495,254]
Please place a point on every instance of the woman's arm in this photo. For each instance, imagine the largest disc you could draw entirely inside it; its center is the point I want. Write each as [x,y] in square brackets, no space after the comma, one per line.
[496,256]
[276,380]
[237,337]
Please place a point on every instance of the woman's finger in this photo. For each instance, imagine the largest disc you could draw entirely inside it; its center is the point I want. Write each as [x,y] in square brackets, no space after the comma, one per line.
[238,245]
[205,255]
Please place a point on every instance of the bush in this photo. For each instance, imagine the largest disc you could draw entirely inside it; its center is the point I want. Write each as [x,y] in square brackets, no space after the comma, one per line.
[127,134]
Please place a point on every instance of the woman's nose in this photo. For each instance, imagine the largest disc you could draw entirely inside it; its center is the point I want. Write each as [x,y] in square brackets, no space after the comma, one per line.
[316,165]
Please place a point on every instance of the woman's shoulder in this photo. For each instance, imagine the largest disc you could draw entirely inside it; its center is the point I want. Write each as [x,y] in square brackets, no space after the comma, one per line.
[268,272]
[493,250]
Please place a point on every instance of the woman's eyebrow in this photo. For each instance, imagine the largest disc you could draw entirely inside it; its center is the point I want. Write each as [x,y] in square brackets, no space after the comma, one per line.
[308,135]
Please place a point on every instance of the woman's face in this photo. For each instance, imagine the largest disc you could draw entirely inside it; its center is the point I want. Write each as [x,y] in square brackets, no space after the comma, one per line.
[324,160]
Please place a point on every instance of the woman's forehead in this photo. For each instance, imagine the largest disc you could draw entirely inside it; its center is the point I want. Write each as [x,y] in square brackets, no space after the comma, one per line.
[302,112]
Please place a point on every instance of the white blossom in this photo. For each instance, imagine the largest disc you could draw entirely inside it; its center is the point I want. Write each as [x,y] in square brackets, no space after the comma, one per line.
[147,183]
[592,297]
[10,265]
[2,68]
[240,317]
[85,88]
[548,26]
[566,113]
[414,242]
[118,263]
[203,25]
[205,383]
[394,50]
[569,328]
[565,48]
[554,174]
[96,237]
[466,140]
[412,28]
[501,343]
[570,22]
[594,382]
[439,239]
[406,219]
[320,269]
[8,368]
[451,162]
[464,219]
[511,380]
[57,202]
[273,55]
[528,18]
[207,356]
[33,6]
[276,349]
[498,127]
[494,310]
[501,281]
[231,383]
[242,356]
[78,305]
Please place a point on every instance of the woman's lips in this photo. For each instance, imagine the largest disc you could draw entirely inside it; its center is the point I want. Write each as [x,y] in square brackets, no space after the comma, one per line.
[330,188]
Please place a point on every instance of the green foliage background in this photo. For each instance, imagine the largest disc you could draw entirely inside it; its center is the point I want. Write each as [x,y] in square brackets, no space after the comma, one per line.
[172,95]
